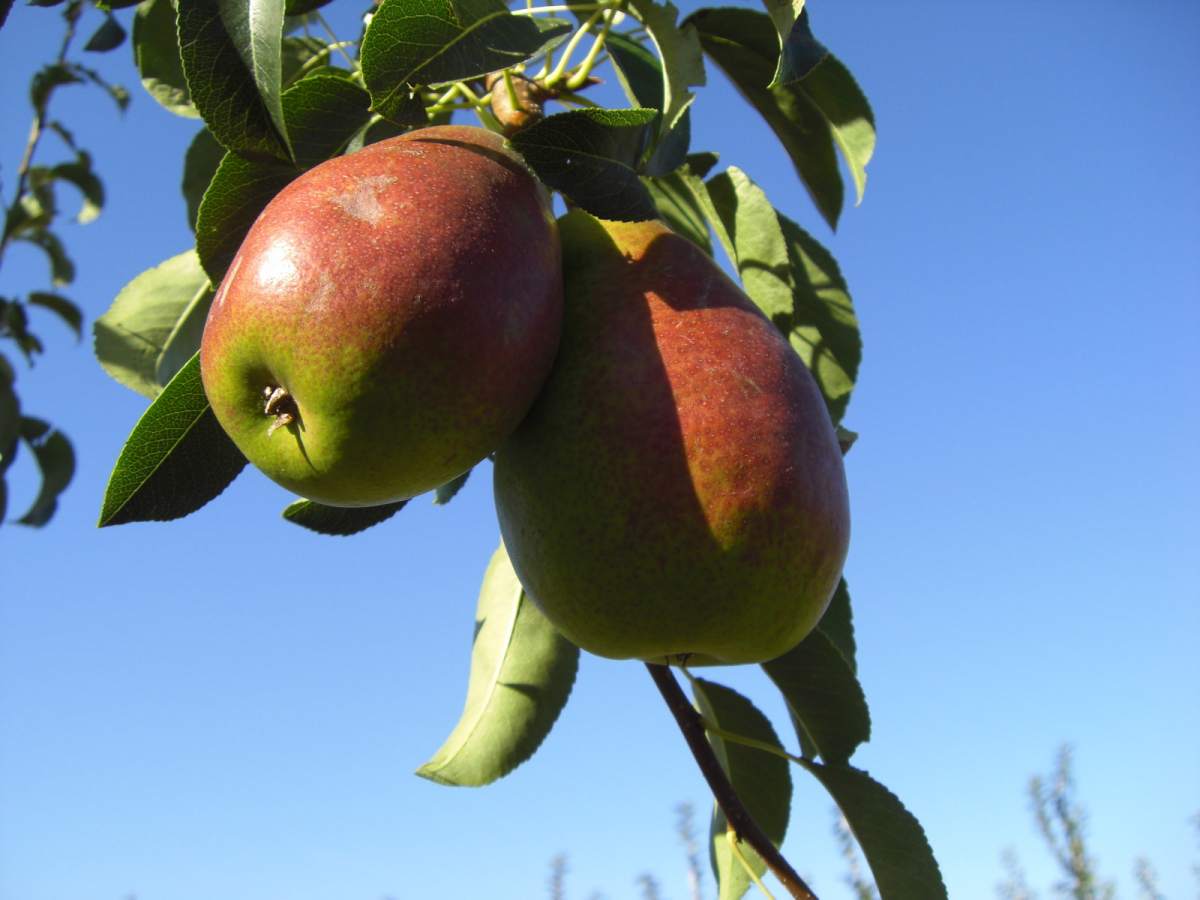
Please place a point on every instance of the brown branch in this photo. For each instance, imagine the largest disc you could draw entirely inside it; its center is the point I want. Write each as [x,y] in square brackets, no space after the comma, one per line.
[739,818]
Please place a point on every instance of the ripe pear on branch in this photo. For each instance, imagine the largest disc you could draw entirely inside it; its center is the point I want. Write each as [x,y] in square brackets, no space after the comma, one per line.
[388,319]
[677,492]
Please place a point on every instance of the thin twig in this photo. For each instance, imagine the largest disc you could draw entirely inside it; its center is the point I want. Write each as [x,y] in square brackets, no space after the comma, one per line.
[736,814]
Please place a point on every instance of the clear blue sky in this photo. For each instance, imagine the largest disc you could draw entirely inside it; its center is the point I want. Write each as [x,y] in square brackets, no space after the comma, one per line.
[230,707]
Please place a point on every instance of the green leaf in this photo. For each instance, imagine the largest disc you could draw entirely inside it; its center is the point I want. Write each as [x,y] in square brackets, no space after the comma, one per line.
[446,492]
[826,702]
[838,625]
[119,95]
[640,74]
[339,520]
[61,307]
[232,56]
[10,418]
[62,270]
[184,340]
[109,36]
[156,55]
[590,156]
[130,338]
[682,199]
[522,671]
[793,279]
[680,52]
[804,115]
[239,191]
[760,252]
[762,780]
[300,7]
[323,113]
[80,174]
[799,50]
[175,460]
[891,838]
[56,461]
[14,324]
[46,79]
[823,327]
[299,54]
[200,162]
[420,42]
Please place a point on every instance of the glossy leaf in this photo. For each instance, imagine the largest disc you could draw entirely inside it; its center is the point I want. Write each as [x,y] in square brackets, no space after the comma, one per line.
[522,671]
[744,44]
[175,460]
[339,520]
[200,163]
[891,838]
[131,336]
[56,461]
[61,307]
[762,780]
[420,42]
[156,54]
[590,156]
[239,191]
[232,56]
[323,112]
[446,492]
[825,700]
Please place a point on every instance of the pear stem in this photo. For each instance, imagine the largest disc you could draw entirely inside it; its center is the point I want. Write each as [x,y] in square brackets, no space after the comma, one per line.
[739,818]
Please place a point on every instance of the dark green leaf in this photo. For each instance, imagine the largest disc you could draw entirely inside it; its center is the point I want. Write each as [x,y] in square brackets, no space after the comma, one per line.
[116,4]
[846,439]
[762,780]
[799,52]
[745,45]
[156,55]
[45,80]
[61,307]
[175,460]
[232,56]
[204,155]
[14,324]
[80,174]
[323,113]
[640,74]
[300,7]
[680,52]
[590,155]
[823,327]
[838,625]
[62,270]
[678,197]
[300,53]
[825,699]
[10,418]
[131,337]
[56,460]
[119,95]
[418,42]
[522,671]
[891,838]
[44,3]
[339,520]
[445,493]
[237,194]
[109,36]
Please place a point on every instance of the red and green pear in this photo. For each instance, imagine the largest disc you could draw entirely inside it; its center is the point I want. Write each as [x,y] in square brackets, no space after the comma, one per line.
[388,319]
[676,492]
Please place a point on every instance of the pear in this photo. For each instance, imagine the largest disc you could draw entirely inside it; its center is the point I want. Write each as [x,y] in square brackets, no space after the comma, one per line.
[676,492]
[388,319]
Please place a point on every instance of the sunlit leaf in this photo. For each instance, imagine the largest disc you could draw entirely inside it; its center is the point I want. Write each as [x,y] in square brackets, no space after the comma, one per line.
[339,521]
[175,460]
[522,671]
[679,49]
[156,55]
[131,336]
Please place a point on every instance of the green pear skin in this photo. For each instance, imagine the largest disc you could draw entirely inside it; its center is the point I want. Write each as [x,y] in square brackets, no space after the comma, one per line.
[402,305]
[677,490]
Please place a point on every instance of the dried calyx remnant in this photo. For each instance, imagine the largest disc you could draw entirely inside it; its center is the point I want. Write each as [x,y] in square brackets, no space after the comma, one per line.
[280,405]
